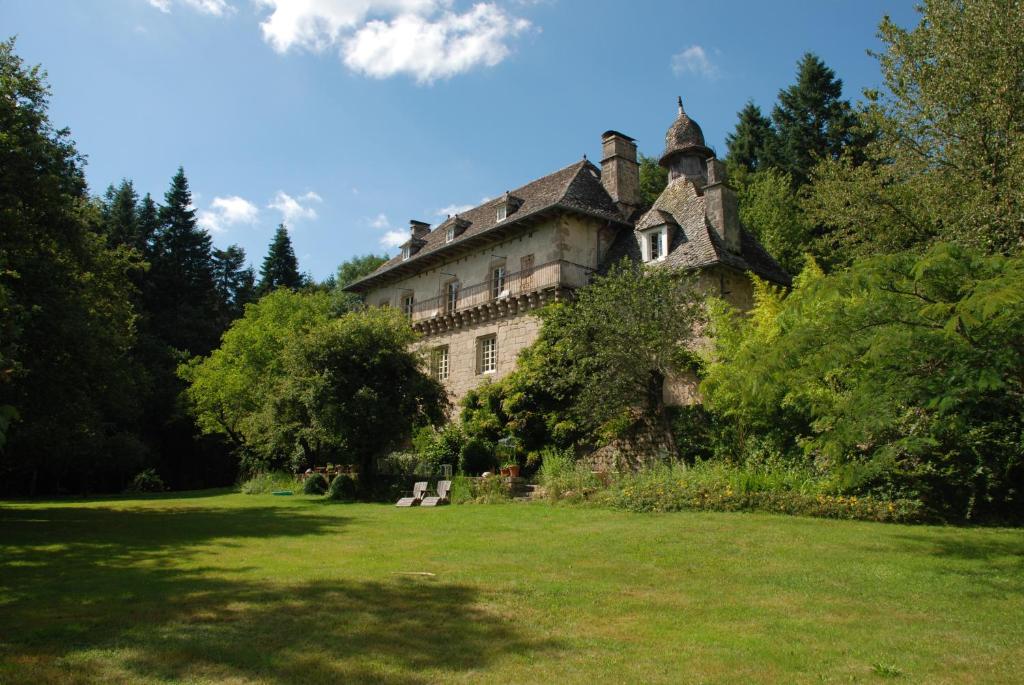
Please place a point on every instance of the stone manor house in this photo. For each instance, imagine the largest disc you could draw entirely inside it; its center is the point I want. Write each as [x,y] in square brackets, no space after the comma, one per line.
[469,285]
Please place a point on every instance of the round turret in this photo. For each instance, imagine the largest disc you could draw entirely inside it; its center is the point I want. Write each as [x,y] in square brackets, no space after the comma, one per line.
[685,153]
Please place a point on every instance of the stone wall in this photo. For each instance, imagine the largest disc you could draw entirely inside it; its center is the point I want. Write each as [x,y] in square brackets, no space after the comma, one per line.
[513,334]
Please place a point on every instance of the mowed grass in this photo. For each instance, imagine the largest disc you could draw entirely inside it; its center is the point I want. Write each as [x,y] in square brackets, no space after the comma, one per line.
[229,588]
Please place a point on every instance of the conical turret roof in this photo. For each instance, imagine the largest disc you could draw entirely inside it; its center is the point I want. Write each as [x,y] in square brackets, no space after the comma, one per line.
[684,136]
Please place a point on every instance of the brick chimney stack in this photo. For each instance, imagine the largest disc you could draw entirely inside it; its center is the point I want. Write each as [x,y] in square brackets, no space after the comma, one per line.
[620,173]
[721,208]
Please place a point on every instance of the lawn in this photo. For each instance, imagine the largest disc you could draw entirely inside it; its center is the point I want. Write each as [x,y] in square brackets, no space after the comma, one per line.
[229,588]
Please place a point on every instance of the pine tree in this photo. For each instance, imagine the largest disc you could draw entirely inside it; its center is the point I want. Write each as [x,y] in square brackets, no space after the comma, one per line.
[280,267]
[148,225]
[182,297]
[812,120]
[752,143]
[234,283]
[120,215]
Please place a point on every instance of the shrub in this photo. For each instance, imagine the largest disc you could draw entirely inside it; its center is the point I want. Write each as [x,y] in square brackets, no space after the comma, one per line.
[491,490]
[146,481]
[315,484]
[462,490]
[272,481]
[476,456]
[722,487]
[436,447]
[563,477]
[343,488]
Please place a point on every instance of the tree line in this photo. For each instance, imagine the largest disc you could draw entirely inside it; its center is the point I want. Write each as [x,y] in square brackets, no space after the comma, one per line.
[101,299]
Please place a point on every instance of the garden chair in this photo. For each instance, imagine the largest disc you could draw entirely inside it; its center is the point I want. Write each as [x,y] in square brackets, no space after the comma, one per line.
[418,491]
[443,488]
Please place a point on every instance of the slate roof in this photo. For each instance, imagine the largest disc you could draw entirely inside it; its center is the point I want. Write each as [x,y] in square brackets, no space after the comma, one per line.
[695,244]
[576,188]
[684,135]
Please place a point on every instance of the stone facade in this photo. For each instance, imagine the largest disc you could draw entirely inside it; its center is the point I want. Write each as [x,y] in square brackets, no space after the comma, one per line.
[471,285]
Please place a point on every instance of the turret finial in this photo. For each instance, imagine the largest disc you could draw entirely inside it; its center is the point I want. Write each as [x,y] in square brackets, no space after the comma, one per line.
[679,99]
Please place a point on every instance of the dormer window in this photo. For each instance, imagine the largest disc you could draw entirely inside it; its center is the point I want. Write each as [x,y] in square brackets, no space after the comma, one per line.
[655,244]
[406,253]
[508,205]
[449,234]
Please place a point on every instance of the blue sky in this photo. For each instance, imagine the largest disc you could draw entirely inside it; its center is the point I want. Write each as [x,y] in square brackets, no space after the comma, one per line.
[347,118]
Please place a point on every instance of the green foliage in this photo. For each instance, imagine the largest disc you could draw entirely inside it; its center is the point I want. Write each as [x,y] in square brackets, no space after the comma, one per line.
[270,481]
[462,490]
[723,487]
[477,456]
[491,490]
[349,272]
[290,385]
[948,160]
[343,488]
[280,268]
[146,481]
[900,376]
[653,179]
[565,478]
[770,209]
[813,122]
[230,392]
[435,447]
[233,281]
[315,484]
[67,325]
[751,144]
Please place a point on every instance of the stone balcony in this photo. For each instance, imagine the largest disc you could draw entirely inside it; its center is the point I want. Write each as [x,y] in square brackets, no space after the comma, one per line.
[514,293]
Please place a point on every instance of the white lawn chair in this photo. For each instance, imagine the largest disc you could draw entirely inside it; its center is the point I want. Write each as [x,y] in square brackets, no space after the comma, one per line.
[418,491]
[443,488]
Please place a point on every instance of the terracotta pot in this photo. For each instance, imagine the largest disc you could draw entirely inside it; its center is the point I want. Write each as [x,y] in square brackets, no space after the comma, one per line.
[504,471]
[514,471]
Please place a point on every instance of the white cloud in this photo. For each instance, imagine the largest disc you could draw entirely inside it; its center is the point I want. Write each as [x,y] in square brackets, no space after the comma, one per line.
[382,38]
[433,48]
[393,238]
[694,60]
[295,208]
[217,8]
[227,211]
[454,209]
[380,221]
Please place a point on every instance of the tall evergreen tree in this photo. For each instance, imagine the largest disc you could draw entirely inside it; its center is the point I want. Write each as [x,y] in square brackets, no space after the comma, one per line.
[752,142]
[182,298]
[148,225]
[812,120]
[234,282]
[65,314]
[653,179]
[280,268]
[121,215]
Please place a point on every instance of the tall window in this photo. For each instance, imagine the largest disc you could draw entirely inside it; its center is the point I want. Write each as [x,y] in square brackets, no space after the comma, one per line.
[449,234]
[451,297]
[407,302]
[405,253]
[497,280]
[440,363]
[502,212]
[487,354]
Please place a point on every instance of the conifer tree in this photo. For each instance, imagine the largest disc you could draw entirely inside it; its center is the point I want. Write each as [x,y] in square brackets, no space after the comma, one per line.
[120,215]
[812,121]
[234,282]
[280,268]
[148,224]
[751,144]
[182,297]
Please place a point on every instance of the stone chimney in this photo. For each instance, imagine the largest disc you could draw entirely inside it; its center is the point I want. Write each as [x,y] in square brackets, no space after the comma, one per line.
[721,207]
[620,173]
[418,229]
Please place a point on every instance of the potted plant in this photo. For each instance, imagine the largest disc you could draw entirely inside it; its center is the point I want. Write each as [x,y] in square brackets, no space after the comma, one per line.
[510,468]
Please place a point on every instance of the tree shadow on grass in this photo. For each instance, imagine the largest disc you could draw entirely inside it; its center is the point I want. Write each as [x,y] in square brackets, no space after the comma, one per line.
[995,565]
[99,595]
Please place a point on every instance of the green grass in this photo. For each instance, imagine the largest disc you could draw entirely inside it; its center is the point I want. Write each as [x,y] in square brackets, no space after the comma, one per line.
[227,588]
